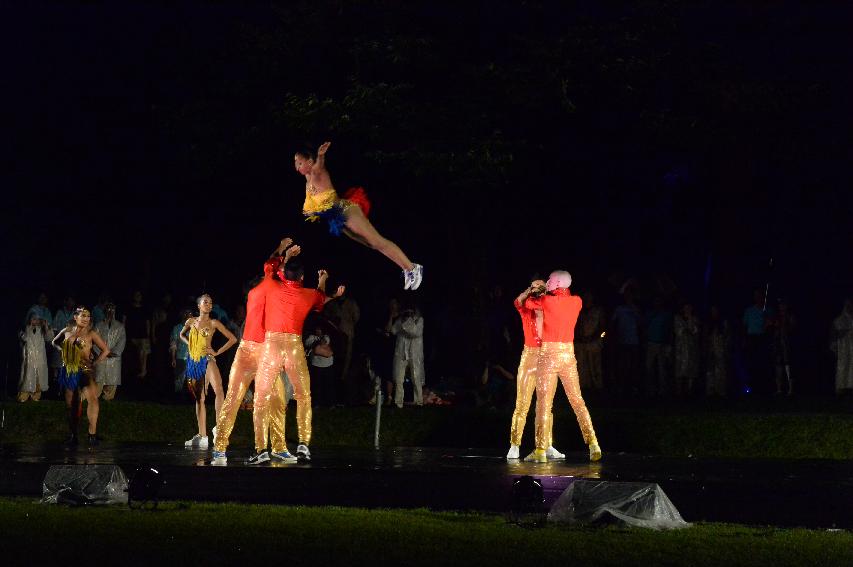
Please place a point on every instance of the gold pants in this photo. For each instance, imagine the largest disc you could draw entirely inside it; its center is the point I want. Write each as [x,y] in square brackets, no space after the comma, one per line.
[558,360]
[243,371]
[525,384]
[281,350]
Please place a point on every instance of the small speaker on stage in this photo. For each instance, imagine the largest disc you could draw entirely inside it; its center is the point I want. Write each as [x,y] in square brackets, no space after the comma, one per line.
[80,485]
[638,504]
[144,488]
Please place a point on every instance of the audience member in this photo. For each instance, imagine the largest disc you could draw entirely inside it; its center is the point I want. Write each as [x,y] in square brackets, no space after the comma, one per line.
[34,376]
[755,348]
[409,354]
[686,330]
[41,308]
[138,328]
[717,354]
[344,314]
[589,341]
[659,331]
[626,327]
[842,346]
[179,351]
[321,367]
[781,327]
[108,373]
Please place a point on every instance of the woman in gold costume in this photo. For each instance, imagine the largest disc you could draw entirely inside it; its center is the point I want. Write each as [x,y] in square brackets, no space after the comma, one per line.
[202,370]
[77,374]
[347,215]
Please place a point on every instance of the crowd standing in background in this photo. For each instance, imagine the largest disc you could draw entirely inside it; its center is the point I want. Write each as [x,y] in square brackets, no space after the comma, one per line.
[666,350]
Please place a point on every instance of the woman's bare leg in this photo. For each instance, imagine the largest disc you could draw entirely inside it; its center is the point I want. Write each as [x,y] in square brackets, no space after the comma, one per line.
[358,225]
[92,407]
[201,414]
[214,378]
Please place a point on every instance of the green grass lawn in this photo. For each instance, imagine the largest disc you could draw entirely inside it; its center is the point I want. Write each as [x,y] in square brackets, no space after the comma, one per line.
[727,431]
[232,534]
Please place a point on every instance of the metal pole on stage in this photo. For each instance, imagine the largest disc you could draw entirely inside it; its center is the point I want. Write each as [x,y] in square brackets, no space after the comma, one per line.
[377,388]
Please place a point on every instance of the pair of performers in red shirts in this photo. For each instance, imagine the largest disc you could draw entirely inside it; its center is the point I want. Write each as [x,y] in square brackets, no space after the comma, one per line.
[272,341]
[549,313]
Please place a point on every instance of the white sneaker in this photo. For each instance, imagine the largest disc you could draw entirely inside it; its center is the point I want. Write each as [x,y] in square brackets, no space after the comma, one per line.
[202,442]
[417,277]
[219,459]
[303,453]
[258,458]
[552,453]
[285,456]
[512,454]
[193,443]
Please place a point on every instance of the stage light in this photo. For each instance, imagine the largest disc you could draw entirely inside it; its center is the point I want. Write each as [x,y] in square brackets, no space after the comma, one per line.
[528,499]
[144,487]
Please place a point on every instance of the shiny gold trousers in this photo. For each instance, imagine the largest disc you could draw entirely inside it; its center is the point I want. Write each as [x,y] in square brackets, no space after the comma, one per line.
[281,350]
[243,371]
[525,384]
[558,360]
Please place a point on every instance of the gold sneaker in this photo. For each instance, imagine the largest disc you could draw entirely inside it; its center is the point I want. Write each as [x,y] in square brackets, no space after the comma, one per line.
[594,451]
[537,456]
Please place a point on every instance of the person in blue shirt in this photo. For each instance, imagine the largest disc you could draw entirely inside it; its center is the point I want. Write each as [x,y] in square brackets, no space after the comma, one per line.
[179,351]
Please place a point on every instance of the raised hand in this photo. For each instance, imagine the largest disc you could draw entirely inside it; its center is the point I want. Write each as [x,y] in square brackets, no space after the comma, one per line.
[340,291]
[322,149]
[322,275]
[292,252]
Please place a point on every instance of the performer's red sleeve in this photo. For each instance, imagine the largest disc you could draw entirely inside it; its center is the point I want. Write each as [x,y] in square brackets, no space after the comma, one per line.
[534,302]
[319,300]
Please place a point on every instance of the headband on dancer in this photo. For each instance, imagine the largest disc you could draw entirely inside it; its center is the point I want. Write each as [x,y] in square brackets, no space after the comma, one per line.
[559,279]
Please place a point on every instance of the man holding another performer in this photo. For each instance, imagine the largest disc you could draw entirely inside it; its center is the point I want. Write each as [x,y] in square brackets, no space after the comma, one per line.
[525,382]
[245,364]
[286,306]
[560,311]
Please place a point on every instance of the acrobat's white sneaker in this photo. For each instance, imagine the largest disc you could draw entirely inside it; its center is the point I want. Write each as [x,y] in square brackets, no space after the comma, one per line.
[417,276]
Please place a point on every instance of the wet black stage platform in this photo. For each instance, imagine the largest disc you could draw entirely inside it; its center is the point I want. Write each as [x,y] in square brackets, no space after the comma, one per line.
[783,493]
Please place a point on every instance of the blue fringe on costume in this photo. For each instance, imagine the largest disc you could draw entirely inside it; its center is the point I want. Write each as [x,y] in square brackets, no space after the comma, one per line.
[196,368]
[69,381]
[335,217]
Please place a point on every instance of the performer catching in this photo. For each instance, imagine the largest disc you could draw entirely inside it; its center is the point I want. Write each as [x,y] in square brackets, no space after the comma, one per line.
[525,383]
[77,373]
[285,309]
[560,310]
[202,370]
[245,365]
[347,215]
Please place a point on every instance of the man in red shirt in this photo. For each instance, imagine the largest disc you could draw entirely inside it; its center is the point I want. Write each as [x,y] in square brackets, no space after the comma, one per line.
[245,364]
[286,306]
[560,310]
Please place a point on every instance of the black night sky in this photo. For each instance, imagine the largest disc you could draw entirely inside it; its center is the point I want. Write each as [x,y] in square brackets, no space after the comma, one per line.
[150,146]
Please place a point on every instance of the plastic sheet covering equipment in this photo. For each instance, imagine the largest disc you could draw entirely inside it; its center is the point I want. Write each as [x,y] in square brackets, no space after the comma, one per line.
[84,484]
[637,504]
